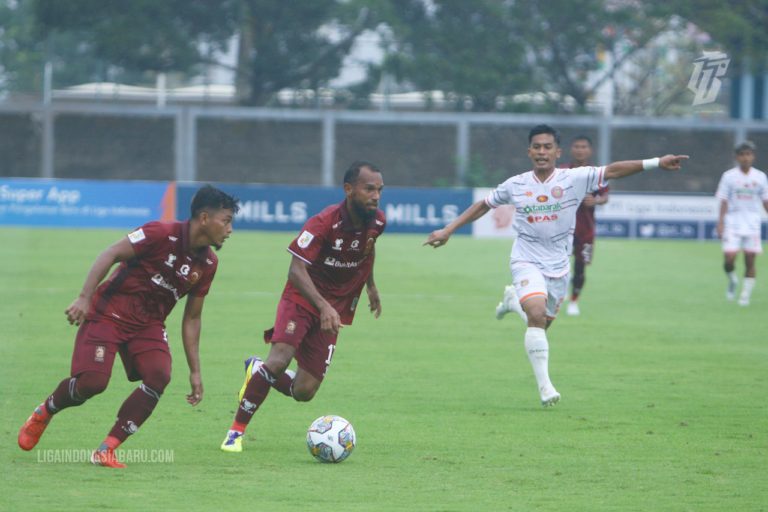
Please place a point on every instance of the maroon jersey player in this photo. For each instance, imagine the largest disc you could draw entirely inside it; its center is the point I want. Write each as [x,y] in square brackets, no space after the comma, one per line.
[159,263]
[332,259]
[584,232]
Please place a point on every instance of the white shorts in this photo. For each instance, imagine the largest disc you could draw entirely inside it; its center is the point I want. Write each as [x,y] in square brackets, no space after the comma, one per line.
[530,282]
[734,242]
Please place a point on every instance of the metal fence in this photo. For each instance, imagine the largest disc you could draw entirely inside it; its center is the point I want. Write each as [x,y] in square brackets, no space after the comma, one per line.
[310,147]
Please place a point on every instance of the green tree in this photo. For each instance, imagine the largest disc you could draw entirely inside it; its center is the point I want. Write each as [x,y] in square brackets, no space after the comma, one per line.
[741,28]
[24,50]
[142,35]
[466,48]
[301,43]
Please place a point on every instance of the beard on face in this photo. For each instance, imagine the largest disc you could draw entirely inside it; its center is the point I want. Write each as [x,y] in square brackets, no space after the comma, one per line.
[363,212]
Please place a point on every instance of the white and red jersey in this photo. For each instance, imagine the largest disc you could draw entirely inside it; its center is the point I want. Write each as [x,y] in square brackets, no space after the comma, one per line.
[545,214]
[744,192]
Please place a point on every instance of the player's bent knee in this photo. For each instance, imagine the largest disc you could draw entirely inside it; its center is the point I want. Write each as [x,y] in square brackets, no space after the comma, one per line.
[304,395]
[90,384]
[157,380]
[280,356]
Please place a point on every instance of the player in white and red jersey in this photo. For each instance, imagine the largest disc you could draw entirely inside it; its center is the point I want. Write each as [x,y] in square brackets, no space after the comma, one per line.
[743,194]
[332,260]
[583,236]
[545,199]
[159,263]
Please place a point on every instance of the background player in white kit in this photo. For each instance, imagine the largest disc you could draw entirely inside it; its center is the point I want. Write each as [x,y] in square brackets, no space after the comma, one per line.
[741,190]
[545,201]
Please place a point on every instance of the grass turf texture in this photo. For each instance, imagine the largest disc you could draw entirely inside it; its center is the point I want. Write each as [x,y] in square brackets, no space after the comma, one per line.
[663,386]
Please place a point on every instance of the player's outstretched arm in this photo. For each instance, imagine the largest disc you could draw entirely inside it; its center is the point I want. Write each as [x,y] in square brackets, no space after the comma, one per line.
[440,237]
[191,325]
[119,251]
[625,168]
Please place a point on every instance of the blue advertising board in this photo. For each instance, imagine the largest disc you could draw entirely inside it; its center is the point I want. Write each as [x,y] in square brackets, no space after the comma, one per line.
[284,208]
[612,228]
[667,229]
[81,203]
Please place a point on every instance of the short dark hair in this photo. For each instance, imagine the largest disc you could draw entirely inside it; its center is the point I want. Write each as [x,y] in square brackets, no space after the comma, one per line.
[211,198]
[354,170]
[746,145]
[543,128]
[582,137]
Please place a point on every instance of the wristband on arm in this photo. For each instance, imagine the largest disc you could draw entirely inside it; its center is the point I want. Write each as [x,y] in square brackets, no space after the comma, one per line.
[650,163]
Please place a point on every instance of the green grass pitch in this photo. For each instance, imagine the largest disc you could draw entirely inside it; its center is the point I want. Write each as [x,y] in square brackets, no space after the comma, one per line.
[663,382]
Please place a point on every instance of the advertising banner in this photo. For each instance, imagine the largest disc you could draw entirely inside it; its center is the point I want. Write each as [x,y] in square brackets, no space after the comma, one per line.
[82,203]
[284,208]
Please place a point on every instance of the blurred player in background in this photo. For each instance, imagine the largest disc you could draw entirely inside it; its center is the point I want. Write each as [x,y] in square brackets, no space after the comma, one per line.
[584,233]
[332,259]
[741,191]
[546,199]
[159,263]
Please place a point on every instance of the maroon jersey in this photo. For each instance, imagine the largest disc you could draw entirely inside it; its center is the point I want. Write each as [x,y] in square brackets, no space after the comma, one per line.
[585,216]
[340,258]
[143,290]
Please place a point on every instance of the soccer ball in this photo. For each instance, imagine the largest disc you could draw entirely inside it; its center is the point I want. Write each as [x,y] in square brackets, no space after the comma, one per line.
[330,438]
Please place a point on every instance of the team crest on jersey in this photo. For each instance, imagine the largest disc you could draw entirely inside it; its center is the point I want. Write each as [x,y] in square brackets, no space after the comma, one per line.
[290,328]
[557,192]
[524,282]
[98,354]
[305,239]
[369,246]
[528,193]
[542,198]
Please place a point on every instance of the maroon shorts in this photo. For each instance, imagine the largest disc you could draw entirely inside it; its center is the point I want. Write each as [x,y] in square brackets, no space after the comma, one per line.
[299,328]
[98,341]
[583,248]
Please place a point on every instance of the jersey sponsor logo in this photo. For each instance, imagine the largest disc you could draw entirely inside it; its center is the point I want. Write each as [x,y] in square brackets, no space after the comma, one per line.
[353,306]
[160,281]
[172,238]
[557,192]
[528,193]
[532,219]
[542,198]
[98,354]
[379,223]
[170,260]
[137,236]
[290,328]
[184,270]
[355,245]
[333,262]
[337,244]
[305,239]
[542,208]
